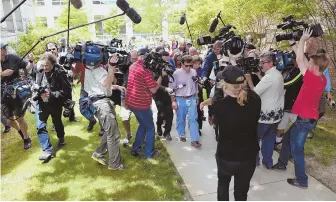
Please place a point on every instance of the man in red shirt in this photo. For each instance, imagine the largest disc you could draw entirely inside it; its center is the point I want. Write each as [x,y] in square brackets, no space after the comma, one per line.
[140,88]
[306,107]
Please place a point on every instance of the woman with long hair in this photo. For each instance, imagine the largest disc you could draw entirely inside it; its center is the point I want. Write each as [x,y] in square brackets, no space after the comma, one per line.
[238,114]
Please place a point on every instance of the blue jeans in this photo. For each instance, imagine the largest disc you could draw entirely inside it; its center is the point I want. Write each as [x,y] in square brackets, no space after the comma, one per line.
[296,137]
[42,132]
[187,107]
[146,131]
[267,134]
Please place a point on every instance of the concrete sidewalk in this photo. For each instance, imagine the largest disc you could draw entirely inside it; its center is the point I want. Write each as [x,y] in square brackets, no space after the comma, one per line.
[199,171]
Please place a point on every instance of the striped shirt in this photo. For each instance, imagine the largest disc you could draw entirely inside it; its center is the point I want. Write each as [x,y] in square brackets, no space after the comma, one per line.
[140,80]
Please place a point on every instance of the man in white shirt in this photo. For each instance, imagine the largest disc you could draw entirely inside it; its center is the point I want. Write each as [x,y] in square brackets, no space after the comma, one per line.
[271,91]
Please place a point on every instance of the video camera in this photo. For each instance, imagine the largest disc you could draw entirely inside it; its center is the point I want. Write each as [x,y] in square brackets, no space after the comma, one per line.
[296,31]
[66,60]
[38,91]
[154,62]
[249,64]
[91,53]
[284,60]
[225,33]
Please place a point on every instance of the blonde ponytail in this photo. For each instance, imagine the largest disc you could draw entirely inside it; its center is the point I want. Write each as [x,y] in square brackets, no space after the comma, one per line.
[237,89]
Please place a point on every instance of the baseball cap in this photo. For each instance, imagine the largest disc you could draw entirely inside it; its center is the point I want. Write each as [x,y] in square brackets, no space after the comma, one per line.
[143,51]
[233,75]
[3,45]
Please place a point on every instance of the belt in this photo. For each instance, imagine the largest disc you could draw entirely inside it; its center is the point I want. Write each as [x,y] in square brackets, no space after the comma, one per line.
[305,119]
[185,96]
[96,98]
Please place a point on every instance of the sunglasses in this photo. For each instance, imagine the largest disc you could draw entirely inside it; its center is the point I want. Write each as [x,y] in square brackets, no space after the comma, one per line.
[188,65]
[48,50]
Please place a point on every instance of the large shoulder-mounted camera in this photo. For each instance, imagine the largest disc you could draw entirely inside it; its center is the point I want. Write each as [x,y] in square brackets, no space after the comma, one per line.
[249,64]
[284,60]
[225,33]
[154,62]
[296,29]
[91,53]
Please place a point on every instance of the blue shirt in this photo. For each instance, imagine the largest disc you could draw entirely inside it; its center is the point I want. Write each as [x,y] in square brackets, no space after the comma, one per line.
[328,86]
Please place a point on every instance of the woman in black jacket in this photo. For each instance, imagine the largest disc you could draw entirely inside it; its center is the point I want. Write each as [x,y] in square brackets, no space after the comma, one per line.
[237,114]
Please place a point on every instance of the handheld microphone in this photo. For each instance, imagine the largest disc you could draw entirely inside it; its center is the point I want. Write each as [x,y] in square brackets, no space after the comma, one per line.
[130,12]
[179,87]
[182,19]
[213,25]
[77,3]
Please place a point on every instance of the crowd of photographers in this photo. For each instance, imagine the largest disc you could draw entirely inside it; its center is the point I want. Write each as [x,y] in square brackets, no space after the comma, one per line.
[252,98]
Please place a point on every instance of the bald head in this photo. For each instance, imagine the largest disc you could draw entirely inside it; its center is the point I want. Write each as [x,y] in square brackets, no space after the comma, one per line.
[134,56]
[193,51]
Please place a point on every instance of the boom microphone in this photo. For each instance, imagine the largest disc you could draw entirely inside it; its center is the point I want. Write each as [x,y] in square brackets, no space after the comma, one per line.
[182,19]
[213,25]
[130,12]
[77,3]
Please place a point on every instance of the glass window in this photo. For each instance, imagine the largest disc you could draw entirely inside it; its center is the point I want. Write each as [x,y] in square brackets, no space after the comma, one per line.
[39,2]
[104,1]
[57,2]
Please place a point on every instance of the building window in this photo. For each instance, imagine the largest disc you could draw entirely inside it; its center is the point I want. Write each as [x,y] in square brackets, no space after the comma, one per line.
[57,2]
[103,1]
[39,2]
[41,21]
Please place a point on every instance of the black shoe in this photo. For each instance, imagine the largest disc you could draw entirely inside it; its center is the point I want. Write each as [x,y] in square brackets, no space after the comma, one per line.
[7,129]
[200,133]
[159,131]
[168,137]
[277,166]
[73,119]
[294,182]
[276,145]
[91,125]
[203,118]
[101,132]
[27,143]
[140,153]
[61,142]
[183,139]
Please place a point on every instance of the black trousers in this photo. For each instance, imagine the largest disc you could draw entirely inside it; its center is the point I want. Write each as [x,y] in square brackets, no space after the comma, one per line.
[242,172]
[55,111]
[200,113]
[165,113]
[208,88]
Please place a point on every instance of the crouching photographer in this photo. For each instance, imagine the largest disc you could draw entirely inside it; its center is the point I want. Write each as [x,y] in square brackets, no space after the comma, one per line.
[53,89]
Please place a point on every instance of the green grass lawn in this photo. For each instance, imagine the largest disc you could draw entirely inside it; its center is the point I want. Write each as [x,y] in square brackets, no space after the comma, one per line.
[73,175]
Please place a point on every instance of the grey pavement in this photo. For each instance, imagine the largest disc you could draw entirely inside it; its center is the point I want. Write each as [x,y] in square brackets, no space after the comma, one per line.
[199,172]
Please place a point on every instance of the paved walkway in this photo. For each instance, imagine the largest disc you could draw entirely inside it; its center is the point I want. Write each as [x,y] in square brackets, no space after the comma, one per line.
[199,172]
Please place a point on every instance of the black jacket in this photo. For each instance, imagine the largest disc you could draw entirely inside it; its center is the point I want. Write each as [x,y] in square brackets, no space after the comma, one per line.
[58,84]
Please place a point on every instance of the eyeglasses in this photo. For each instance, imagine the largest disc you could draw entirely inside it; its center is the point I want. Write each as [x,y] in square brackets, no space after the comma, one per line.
[264,62]
[48,50]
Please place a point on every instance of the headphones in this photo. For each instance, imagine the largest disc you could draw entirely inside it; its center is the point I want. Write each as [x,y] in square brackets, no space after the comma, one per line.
[51,42]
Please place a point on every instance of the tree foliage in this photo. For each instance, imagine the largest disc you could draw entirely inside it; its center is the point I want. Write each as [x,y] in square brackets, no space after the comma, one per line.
[113,25]
[35,32]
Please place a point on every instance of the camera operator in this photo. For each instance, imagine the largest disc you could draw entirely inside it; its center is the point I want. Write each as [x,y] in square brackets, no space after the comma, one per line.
[163,103]
[54,89]
[306,107]
[185,100]
[237,113]
[12,109]
[98,85]
[140,88]
[271,91]
[125,114]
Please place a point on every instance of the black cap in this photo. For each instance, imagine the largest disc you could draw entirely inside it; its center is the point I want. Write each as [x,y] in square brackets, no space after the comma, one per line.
[233,75]
[143,51]
[3,45]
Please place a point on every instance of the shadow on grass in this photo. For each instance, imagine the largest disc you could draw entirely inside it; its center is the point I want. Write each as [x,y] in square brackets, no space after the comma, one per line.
[59,195]
[141,180]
